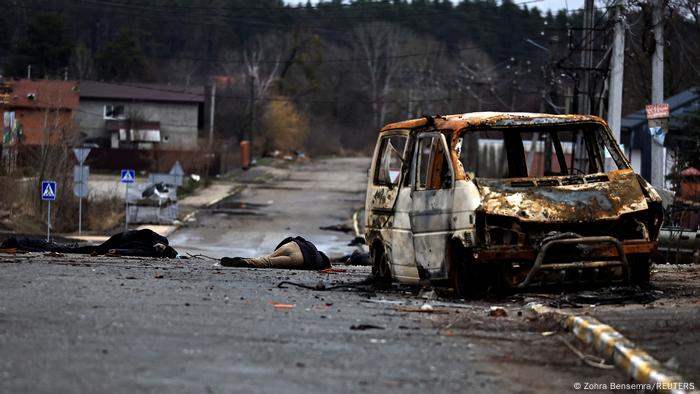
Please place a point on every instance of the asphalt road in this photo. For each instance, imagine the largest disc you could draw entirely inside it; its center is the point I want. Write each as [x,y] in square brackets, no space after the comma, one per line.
[85,325]
[80,324]
[295,201]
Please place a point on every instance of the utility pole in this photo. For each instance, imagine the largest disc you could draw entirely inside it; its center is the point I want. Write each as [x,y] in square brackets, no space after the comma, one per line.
[252,114]
[617,73]
[584,97]
[658,152]
[212,105]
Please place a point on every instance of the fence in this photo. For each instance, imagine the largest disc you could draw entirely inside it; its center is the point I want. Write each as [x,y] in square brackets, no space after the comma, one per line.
[202,162]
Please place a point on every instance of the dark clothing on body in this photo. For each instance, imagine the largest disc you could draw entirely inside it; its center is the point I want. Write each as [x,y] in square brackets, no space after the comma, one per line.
[129,243]
[313,259]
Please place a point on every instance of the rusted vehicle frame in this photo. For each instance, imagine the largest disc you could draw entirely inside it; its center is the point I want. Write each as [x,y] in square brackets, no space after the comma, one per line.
[459,215]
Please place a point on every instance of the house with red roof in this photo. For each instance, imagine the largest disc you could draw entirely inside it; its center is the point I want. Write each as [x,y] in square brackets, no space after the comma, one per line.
[39,112]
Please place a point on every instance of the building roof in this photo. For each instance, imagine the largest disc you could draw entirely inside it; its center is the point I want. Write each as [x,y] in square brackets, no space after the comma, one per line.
[140,92]
[491,119]
[678,105]
[43,93]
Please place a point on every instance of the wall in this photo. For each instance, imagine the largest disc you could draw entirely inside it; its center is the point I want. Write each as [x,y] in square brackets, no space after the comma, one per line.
[225,159]
[178,121]
[35,121]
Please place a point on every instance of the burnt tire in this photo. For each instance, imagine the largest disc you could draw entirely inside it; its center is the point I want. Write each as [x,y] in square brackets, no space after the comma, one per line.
[464,278]
[381,267]
[640,271]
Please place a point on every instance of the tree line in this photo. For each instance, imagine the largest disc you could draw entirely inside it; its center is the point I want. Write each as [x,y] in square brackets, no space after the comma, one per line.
[337,71]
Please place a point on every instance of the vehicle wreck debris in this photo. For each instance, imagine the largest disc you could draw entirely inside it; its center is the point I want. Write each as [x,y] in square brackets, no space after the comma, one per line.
[507,200]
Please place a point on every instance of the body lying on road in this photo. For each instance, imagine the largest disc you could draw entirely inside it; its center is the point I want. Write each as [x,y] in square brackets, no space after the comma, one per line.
[291,253]
[145,243]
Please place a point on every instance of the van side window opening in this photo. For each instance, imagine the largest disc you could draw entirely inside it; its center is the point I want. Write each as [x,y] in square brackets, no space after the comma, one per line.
[432,167]
[390,160]
[549,151]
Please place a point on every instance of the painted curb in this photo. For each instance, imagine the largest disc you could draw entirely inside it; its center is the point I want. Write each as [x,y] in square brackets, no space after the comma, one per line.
[637,363]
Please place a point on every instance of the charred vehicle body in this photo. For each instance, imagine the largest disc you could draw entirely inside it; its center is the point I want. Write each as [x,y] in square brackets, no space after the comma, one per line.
[515,199]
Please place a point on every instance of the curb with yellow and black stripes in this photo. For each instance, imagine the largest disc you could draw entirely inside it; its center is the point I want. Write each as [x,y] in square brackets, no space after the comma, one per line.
[638,364]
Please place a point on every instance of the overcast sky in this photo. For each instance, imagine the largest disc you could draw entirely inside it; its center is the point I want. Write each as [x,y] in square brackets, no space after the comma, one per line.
[553,5]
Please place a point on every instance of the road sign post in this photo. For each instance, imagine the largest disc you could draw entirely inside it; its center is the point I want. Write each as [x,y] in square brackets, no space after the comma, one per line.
[80,176]
[657,119]
[48,193]
[127,177]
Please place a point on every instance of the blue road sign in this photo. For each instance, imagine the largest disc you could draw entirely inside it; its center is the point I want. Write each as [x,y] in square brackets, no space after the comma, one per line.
[128,176]
[48,190]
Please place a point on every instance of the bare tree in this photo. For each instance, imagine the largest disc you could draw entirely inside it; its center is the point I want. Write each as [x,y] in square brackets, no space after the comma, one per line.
[183,69]
[261,69]
[82,63]
[379,44]
[424,77]
[256,63]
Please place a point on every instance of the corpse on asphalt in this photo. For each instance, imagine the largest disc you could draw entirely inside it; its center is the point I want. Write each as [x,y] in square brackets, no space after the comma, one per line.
[507,199]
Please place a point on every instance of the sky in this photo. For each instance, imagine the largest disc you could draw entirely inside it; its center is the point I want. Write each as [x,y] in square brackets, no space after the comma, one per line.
[556,5]
[553,5]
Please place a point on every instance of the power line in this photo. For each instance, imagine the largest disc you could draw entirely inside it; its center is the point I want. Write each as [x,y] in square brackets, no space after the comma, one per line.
[275,99]
[347,60]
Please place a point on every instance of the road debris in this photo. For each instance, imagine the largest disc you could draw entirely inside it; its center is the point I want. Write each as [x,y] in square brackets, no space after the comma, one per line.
[413,309]
[593,361]
[12,251]
[363,285]
[497,311]
[357,258]
[277,305]
[363,327]
[332,270]
[343,228]
[607,296]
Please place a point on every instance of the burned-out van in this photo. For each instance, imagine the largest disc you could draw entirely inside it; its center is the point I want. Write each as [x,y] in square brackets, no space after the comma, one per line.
[515,199]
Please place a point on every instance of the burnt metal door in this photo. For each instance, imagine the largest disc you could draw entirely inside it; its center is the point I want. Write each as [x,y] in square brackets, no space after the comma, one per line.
[431,210]
[385,182]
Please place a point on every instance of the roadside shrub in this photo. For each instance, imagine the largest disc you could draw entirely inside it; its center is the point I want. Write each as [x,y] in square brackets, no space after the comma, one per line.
[283,127]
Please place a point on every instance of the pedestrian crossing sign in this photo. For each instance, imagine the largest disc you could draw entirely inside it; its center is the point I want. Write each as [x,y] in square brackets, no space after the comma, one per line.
[128,176]
[48,190]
